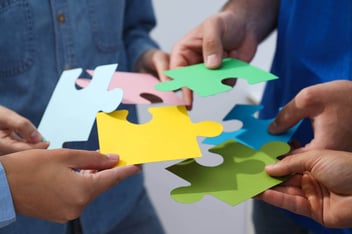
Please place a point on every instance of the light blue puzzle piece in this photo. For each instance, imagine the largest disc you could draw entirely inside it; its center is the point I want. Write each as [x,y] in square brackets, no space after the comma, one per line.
[254,132]
[71,112]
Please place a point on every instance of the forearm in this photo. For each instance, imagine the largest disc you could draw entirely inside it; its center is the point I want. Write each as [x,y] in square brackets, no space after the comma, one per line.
[139,21]
[261,15]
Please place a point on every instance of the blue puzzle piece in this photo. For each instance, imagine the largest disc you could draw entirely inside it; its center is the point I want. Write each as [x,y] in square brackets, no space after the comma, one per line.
[71,112]
[254,132]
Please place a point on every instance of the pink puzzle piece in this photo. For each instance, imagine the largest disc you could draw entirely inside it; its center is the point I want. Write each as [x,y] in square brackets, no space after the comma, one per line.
[138,88]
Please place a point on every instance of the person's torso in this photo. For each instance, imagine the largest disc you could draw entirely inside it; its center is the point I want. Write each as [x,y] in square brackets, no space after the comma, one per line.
[314,45]
[39,40]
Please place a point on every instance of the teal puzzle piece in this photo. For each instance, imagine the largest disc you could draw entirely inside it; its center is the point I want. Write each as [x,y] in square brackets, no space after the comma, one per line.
[254,132]
[240,176]
[206,82]
[71,112]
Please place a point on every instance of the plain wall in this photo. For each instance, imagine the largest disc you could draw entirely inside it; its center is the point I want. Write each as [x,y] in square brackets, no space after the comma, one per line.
[210,215]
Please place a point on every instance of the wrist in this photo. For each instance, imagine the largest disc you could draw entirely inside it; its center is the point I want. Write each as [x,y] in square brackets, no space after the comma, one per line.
[260,16]
[144,63]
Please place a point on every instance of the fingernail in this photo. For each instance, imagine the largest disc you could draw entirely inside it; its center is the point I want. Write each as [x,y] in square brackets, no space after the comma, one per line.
[272,128]
[270,166]
[112,156]
[35,137]
[212,61]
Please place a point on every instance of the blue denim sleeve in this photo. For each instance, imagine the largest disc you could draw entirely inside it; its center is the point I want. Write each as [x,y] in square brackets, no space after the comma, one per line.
[139,21]
[7,210]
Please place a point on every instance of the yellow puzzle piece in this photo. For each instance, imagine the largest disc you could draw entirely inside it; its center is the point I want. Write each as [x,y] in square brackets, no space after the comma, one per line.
[170,135]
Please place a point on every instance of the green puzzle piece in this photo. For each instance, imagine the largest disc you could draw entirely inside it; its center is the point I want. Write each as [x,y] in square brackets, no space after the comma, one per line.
[206,82]
[240,176]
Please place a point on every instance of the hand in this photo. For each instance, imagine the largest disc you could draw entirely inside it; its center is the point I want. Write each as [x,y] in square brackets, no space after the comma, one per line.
[221,35]
[328,107]
[45,183]
[156,62]
[226,34]
[18,133]
[320,187]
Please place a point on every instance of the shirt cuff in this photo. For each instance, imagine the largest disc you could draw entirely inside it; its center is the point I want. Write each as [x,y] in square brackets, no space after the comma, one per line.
[7,209]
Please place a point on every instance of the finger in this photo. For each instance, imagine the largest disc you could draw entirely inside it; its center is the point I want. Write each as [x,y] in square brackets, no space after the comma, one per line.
[87,160]
[212,42]
[188,98]
[161,64]
[15,122]
[247,50]
[287,117]
[293,181]
[304,105]
[21,146]
[311,191]
[186,52]
[294,203]
[292,164]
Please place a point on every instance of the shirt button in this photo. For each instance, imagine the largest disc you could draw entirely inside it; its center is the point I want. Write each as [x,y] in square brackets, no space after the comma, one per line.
[61,18]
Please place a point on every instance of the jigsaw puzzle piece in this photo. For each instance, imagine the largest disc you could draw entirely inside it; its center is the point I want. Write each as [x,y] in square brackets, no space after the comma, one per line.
[169,135]
[70,113]
[240,177]
[206,82]
[138,88]
[254,132]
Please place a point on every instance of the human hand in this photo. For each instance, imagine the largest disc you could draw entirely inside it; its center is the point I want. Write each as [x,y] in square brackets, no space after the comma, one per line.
[154,62]
[18,133]
[320,187]
[222,35]
[225,34]
[328,107]
[46,184]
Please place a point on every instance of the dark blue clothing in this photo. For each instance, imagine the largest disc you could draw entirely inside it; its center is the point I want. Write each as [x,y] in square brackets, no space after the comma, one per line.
[314,45]
[40,39]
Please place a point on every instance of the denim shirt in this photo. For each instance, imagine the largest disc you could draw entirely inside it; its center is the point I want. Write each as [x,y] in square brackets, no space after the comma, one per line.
[7,210]
[40,39]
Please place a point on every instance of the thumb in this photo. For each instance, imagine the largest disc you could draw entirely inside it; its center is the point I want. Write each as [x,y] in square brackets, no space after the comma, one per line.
[212,44]
[89,160]
[292,164]
[21,125]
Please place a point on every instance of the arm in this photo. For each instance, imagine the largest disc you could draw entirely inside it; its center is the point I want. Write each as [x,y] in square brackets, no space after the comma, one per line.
[46,184]
[328,106]
[17,133]
[7,210]
[144,54]
[320,188]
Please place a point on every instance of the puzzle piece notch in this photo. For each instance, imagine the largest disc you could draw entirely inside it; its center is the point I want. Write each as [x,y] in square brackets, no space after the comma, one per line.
[254,132]
[138,88]
[206,82]
[239,178]
[169,135]
[70,113]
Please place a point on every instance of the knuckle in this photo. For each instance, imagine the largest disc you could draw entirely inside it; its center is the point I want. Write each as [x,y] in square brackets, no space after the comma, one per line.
[306,97]
[23,123]
[73,213]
